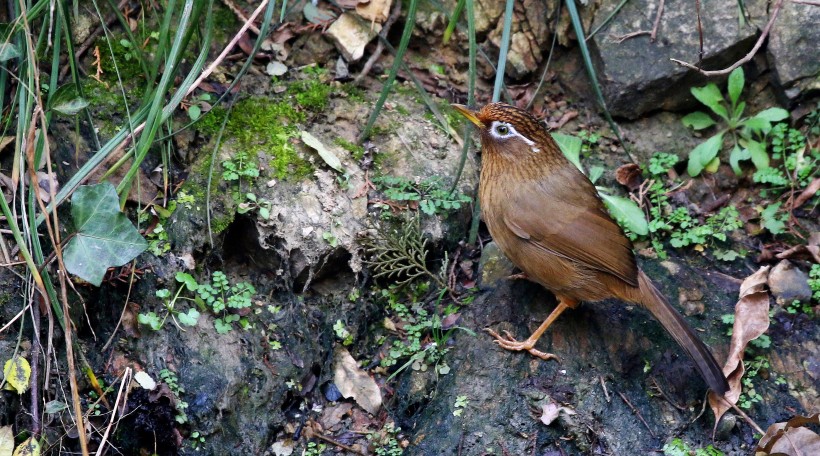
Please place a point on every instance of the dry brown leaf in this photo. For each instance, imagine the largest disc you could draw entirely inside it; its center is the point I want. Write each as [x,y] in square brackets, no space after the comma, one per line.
[354,382]
[791,438]
[5,141]
[807,193]
[751,320]
[333,415]
[629,175]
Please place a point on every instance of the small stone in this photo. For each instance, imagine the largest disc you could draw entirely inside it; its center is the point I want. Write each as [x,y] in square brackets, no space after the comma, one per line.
[788,283]
[351,35]
[723,431]
[494,266]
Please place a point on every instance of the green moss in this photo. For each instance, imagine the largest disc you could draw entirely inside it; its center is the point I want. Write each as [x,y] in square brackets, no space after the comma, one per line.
[127,61]
[311,94]
[354,93]
[220,224]
[355,150]
[260,125]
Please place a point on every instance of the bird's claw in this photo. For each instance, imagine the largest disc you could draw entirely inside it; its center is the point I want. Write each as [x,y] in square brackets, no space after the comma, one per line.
[508,342]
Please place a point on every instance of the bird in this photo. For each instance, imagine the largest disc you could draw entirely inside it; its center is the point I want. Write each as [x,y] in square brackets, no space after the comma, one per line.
[547,217]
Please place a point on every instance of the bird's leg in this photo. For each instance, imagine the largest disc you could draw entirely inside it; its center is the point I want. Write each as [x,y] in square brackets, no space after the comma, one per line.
[508,342]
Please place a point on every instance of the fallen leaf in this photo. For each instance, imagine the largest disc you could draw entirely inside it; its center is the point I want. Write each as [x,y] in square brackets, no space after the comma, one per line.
[629,175]
[807,193]
[329,157]
[751,320]
[333,415]
[16,372]
[790,438]
[374,10]
[6,441]
[551,410]
[354,382]
[145,380]
[283,448]
[29,447]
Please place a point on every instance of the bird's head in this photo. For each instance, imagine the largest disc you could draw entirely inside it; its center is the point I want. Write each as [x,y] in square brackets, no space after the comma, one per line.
[509,131]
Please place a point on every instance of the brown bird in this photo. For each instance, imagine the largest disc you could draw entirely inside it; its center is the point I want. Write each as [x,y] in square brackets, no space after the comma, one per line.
[547,217]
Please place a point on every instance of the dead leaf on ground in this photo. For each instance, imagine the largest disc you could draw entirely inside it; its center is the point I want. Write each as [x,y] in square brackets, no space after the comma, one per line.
[354,382]
[629,175]
[807,193]
[809,251]
[130,324]
[791,438]
[751,320]
[374,10]
[333,415]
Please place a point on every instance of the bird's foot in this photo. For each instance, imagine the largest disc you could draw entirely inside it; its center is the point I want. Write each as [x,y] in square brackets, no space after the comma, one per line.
[508,342]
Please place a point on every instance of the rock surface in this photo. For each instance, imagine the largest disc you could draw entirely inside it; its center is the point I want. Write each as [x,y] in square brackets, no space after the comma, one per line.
[793,49]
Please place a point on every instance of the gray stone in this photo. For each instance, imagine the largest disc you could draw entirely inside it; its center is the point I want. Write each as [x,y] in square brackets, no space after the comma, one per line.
[638,75]
[793,49]
[788,283]
[494,266]
[351,35]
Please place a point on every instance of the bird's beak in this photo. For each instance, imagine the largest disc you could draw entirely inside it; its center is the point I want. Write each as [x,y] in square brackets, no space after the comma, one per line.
[469,114]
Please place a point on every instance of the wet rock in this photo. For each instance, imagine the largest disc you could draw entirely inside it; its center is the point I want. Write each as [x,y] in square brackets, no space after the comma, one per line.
[792,49]
[528,36]
[638,76]
[788,283]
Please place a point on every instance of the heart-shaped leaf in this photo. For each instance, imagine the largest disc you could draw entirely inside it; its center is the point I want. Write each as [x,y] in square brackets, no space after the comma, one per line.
[105,237]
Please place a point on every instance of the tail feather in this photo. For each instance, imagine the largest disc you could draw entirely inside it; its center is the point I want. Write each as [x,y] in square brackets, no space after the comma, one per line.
[683,334]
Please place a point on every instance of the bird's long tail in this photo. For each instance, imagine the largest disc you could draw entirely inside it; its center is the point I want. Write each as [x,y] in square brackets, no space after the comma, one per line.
[677,327]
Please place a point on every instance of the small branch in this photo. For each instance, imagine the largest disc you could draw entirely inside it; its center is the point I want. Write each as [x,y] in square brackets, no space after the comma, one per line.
[241,15]
[606,393]
[623,38]
[748,56]
[700,32]
[657,23]
[806,2]
[637,413]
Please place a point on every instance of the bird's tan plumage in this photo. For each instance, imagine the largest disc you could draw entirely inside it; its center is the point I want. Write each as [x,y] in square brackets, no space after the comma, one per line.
[547,217]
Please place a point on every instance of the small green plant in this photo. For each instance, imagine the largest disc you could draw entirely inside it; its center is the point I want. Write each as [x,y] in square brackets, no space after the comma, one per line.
[431,195]
[677,223]
[314,449]
[748,134]
[385,442]
[252,203]
[460,404]
[355,150]
[342,333]
[402,255]
[170,378]
[678,447]
[188,318]
[197,440]
[814,282]
[750,395]
[239,166]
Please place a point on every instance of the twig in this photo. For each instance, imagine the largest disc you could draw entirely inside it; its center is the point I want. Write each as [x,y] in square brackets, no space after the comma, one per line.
[748,56]
[700,32]
[606,393]
[806,2]
[623,38]
[637,413]
[338,444]
[665,396]
[241,15]
[394,14]
[657,23]
[126,380]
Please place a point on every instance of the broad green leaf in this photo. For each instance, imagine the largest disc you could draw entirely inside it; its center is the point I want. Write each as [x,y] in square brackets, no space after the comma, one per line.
[571,148]
[627,212]
[8,51]
[758,124]
[16,372]
[713,165]
[739,110]
[757,152]
[710,96]
[329,157]
[703,154]
[187,279]
[105,237]
[54,406]
[194,111]
[66,100]
[773,114]
[595,173]
[72,107]
[698,120]
[770,220]
[29,447]
[736,156]
[736,81]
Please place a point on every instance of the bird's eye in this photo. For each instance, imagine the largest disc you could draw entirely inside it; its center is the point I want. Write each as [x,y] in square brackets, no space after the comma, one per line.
[502,130]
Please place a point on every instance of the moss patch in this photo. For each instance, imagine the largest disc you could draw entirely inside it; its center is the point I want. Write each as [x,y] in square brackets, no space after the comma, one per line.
[259,125]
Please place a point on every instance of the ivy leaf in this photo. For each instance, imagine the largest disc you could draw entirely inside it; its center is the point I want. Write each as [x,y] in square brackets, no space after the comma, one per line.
[773,114]
[16,372]
[736,81]
[698,120]
[626,211]
[571,148]
[710,96]
[703,154]
[105,237]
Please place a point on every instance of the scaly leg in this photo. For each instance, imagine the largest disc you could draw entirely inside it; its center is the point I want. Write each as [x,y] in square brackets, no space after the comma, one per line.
[508,342]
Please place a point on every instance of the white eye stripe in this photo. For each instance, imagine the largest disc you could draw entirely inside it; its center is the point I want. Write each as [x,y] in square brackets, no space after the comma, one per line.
[510,132]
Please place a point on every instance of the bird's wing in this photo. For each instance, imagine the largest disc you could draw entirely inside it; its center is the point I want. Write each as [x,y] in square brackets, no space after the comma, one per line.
[564,215]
